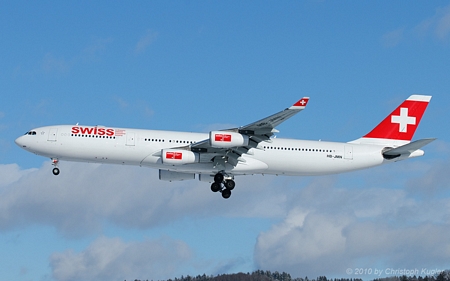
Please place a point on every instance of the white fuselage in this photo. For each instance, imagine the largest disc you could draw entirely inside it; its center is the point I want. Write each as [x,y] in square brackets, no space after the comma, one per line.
[143,148]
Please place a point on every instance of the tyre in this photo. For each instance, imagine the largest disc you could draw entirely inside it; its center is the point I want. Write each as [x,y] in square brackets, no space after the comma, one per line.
[226,193]
[218,178]
[55,171]
[215,187]
[230,184]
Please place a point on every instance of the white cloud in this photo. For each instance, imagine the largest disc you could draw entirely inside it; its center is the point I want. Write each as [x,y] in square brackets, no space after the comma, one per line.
[54,64]
[121,102]
[97,46]
[435,181]
[348,228]
[10,173]
[114,259]
[82,197]
[393,38]
[145,41]
[443,24]
[50,63]
[437,26]
[85,196]
[319,229]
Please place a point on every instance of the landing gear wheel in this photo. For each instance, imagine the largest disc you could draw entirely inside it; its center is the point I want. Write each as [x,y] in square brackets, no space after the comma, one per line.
[215,187]
[229,184]
[55,164]
[223,185]
[55,171]
[218,178]
[226,193]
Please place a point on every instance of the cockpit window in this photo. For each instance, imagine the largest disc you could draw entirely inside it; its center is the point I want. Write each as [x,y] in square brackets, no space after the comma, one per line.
[31,133]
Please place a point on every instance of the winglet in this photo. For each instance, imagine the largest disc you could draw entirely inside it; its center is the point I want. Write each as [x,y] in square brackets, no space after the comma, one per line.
[301,104]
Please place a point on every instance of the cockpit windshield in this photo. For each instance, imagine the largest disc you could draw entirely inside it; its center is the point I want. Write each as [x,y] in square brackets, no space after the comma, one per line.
[31,133]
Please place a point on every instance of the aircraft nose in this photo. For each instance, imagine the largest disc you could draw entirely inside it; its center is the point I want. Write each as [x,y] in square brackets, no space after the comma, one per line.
[20,142]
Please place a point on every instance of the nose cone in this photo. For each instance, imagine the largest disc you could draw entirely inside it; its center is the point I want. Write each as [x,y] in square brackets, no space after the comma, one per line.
[20,141]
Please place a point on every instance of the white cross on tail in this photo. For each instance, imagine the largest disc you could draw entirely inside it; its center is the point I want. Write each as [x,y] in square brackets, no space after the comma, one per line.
[403,120]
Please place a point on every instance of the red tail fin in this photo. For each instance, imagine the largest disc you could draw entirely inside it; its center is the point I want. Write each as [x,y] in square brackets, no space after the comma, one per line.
[403,121]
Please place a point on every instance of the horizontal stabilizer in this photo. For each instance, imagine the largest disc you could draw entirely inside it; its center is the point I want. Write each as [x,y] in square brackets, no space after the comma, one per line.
[408,148]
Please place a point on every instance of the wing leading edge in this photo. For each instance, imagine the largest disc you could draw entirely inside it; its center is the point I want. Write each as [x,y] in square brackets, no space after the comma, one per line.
[266,125]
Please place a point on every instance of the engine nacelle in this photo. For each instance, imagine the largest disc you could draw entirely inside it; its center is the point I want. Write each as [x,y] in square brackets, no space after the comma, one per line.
[223,139]
[179,157]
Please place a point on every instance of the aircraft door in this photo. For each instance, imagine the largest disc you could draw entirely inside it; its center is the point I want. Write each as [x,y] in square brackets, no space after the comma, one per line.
[52,135]
[348,152]
[130,139]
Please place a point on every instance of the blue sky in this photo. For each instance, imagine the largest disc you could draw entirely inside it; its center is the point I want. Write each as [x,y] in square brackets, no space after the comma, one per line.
[197,66]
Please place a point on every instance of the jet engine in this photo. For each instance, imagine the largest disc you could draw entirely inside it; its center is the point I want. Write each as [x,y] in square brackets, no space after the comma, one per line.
[179,157]
[223,139]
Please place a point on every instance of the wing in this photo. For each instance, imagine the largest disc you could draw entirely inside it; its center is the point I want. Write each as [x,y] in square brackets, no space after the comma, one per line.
[230,144]
[266,126]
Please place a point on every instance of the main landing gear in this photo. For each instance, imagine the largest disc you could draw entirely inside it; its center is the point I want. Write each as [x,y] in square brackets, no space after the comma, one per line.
[56,169]
[224,184]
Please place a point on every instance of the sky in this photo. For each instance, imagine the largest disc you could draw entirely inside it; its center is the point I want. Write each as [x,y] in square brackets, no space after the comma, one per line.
[204,65]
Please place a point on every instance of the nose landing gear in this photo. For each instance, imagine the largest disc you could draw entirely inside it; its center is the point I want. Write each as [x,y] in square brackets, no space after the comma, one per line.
[56,169]
[223,183]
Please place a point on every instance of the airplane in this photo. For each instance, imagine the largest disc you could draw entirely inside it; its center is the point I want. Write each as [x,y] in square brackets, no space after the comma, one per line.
[218,156]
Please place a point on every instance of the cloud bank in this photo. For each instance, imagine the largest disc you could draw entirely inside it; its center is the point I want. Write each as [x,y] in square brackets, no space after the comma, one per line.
[114,259]
[321,226]
[84,197]
[357,229]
